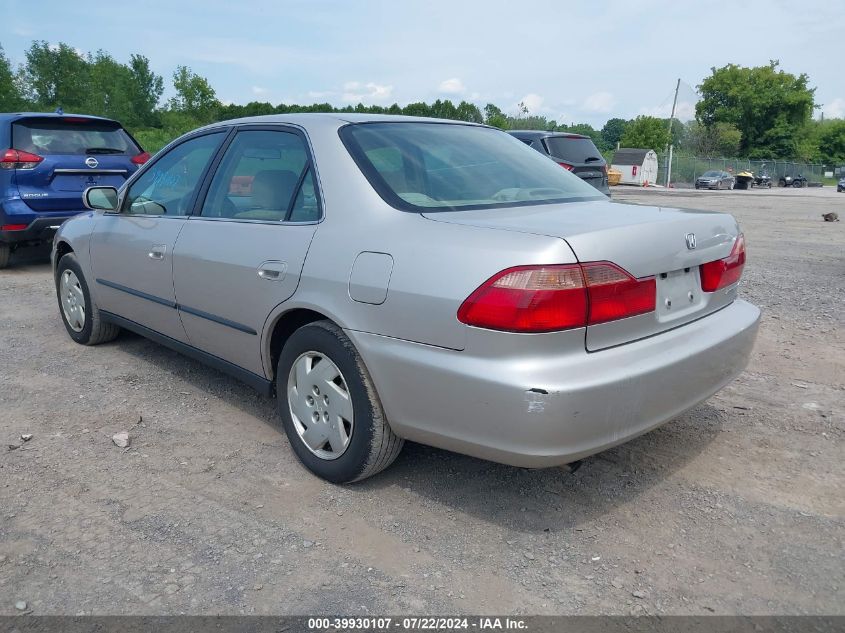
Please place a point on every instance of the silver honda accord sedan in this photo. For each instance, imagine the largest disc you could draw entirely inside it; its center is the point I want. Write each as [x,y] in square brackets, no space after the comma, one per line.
[395,278]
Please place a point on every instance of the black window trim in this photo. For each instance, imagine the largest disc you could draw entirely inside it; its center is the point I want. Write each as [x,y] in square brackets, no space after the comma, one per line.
[196,211]
[387,194]
[225,131]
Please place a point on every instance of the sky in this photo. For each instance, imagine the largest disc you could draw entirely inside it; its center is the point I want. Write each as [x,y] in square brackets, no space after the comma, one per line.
[568,61]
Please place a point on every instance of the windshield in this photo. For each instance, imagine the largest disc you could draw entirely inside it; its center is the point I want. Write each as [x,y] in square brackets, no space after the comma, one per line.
[711,174]
[447,167]
[68,136]
[573,149]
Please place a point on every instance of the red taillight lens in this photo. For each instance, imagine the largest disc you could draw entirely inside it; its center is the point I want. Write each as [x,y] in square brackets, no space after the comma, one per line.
[614,294]
[724,272]
[529,299]
[566,166]
[557,297]
[141,158]
[16,159]
[13,227]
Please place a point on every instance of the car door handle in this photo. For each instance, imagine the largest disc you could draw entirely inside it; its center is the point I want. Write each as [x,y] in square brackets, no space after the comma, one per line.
[157,251]
[272,271]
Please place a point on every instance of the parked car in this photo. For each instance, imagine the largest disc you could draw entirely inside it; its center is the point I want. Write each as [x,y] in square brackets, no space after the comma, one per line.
[46,162]
[840,186]
[394,278]
[573,152]
[715,179]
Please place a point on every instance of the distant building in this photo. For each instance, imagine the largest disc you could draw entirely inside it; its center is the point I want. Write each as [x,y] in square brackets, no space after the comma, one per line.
[637,166]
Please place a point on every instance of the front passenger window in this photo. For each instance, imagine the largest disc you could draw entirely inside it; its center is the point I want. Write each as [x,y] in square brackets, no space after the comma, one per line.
[168,186]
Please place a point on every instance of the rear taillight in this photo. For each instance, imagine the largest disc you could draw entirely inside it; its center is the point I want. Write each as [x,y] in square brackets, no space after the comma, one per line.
[13,227]
[16,159]
[615,294]
[724,272]
[141,158]
[566,166]
[557,297]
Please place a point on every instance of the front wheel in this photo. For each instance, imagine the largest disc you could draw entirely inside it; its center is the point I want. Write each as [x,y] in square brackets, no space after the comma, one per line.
[797,184]
[329,407]
[79,312]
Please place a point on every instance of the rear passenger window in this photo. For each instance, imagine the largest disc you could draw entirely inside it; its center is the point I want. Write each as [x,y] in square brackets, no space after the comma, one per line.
[264,175]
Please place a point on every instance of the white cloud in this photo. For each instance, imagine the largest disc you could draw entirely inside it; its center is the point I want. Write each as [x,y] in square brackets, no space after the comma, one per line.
[258,90]
[532,101]
[599,102]
[320,94]
[835,109]
[453,86]
[355,91]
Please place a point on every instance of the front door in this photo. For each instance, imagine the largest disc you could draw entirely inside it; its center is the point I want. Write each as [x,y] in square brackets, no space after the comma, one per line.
[243,254]
[132,251]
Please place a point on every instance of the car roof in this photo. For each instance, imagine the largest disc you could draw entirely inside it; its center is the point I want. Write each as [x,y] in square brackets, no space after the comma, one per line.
[333,119]
[534,134]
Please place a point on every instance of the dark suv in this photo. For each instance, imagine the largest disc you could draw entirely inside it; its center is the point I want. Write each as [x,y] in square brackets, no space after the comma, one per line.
[574,152]
[46,162]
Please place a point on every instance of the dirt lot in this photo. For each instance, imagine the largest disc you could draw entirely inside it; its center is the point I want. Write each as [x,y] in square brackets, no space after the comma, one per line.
[736,507]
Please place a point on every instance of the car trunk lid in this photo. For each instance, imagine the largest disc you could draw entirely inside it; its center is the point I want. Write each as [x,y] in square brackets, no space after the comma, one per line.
[667,244]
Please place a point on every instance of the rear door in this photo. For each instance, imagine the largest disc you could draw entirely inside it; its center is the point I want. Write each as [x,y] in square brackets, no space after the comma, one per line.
[243,254]
[132,251]
[77,153]
[580,156]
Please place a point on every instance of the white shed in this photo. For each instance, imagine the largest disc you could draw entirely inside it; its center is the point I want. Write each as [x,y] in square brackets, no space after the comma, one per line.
[638,166]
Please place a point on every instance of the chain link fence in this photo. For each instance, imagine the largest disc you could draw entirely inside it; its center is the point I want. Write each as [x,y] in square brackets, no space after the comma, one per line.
[685,169]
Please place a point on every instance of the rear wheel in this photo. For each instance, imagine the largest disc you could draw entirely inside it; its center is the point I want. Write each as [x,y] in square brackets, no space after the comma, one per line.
[5,254]
[79,312]
[329,407]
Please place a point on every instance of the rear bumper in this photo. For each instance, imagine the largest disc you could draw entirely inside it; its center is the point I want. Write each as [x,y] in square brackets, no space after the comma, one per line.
[40,227]
[39,230]
[496,408]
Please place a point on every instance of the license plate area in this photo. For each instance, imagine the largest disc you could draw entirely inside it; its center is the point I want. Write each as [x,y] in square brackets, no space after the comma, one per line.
[678,294]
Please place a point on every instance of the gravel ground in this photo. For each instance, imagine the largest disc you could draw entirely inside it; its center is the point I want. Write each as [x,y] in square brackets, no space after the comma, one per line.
[735,507]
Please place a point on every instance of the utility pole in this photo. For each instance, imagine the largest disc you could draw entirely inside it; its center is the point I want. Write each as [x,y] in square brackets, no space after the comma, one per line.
[671,145]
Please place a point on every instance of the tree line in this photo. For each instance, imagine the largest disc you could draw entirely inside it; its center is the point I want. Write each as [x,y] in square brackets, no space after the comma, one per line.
[760,112]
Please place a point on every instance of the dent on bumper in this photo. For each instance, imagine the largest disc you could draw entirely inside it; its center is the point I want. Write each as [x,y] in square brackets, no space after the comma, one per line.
[554,409]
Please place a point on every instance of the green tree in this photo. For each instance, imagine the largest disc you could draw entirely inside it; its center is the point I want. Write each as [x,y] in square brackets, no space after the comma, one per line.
[10,93]
[108,95]
[144,89]
[612,132]
[194,95]
[56,76]
[830,140]
[768,106]
[468,112]
[646,132]
[718,139]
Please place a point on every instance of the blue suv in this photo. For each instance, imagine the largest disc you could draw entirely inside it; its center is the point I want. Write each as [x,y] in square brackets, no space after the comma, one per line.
[46,163]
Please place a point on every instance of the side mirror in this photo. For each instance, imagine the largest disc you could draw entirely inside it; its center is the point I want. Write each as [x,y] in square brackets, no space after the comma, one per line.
[101,198]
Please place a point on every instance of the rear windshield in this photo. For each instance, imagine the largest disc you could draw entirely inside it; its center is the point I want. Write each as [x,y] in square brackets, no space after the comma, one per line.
[65,136]
[573,149]
[449,167]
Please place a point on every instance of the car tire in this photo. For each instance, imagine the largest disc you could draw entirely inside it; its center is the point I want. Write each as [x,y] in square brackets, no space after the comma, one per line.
[367,444]
[797,184]
[5,255]
[79,313]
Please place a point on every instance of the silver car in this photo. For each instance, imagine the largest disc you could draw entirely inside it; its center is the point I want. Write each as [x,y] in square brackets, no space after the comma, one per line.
[394,278]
